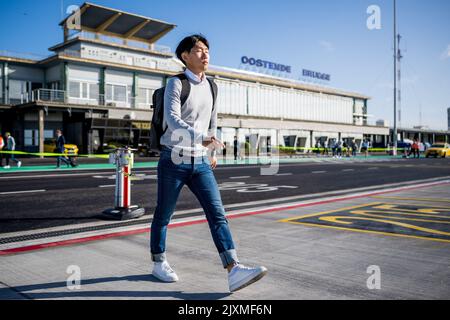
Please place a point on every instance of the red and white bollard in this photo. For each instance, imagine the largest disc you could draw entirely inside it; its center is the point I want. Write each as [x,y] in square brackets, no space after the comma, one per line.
[123,159]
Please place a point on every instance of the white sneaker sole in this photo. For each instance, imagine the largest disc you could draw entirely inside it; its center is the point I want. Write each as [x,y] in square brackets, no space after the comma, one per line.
[250,279]
[164,279]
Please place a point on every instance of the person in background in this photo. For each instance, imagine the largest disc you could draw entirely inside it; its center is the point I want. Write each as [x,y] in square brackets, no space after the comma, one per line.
[60,142]
[339,149]
[235,148]
[346,148]
[224,151]
[325,148]
[415,148]
[2,144]
[11,146]
[365,148]
[354,148]
[333,147]
[317,148]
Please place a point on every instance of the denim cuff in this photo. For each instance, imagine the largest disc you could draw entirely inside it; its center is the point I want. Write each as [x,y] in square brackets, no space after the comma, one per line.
[160,257]
[228,257]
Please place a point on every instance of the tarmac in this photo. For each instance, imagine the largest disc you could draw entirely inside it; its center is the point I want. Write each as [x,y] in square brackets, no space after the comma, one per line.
[84,163]
[387,244]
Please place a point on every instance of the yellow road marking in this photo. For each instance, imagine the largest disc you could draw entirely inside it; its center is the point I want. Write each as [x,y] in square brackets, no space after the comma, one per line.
[363,213]
[293,221]
[414,199]
[396,223]
[431,209]
[368,231]
[332,211]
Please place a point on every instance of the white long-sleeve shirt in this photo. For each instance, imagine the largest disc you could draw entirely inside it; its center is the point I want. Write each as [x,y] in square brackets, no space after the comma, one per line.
[189,122]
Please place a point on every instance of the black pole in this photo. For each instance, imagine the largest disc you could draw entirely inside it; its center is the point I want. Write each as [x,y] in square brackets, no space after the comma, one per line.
[395,80]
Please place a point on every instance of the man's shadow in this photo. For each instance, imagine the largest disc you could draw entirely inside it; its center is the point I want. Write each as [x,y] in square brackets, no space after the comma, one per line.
[23,291]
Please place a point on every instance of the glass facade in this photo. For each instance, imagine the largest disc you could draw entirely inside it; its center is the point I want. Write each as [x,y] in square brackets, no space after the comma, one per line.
[260,100]
[108,134]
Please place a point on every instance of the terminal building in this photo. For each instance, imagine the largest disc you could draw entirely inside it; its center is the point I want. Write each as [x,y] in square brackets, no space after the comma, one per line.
[97,87]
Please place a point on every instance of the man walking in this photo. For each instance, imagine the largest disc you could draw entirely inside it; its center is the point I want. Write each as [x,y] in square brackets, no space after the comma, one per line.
[11,147]
[196,119]
[2,144]
[235,148]
[60,142]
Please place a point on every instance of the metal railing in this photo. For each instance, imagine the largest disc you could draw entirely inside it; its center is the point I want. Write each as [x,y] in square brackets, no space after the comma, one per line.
[120,58]
[61,97]
[114,40]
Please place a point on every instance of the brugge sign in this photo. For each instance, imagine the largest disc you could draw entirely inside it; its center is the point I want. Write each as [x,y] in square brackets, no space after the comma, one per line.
[316,75]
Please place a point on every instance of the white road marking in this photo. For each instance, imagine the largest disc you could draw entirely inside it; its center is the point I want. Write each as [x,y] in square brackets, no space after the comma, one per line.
[242,177]
[19,192]
[374,168]
[110,186]
[283,174]
[93,174]
[318,172]
[348,170]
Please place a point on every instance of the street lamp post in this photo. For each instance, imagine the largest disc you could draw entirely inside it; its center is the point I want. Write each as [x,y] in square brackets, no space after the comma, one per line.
[394,140]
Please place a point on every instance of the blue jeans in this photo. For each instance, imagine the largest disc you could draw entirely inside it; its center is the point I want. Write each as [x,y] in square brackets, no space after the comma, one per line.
[198,176]
[63,159]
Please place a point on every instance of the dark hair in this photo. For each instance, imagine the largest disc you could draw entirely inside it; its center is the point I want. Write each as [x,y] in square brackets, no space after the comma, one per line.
[188,43]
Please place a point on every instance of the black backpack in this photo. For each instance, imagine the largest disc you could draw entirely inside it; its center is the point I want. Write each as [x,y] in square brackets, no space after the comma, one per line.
[157,130]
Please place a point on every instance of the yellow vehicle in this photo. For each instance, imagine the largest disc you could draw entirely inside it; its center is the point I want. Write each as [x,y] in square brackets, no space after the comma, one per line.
[112,147]
[438,150]
[70,150]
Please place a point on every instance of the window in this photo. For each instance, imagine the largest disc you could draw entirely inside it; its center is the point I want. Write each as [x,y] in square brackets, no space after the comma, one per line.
[109,92]
[116,93]
[17,89]
[93,91]
[32,137]
[83,90]
[54,85]
[145,96]
[120,93]
[74,89]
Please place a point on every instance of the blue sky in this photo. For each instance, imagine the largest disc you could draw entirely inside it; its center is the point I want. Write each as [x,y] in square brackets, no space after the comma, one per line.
[328,36]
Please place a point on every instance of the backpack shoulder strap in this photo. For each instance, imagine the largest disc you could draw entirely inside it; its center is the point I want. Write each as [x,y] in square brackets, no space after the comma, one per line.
[185,88]
[214,90]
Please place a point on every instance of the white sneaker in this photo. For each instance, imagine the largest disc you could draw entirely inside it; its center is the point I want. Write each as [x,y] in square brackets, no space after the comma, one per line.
[19,164]
[242,276]
[7,167]
[164,272]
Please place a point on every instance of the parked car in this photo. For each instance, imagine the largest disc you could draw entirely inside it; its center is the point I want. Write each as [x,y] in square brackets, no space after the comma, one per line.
[438,150]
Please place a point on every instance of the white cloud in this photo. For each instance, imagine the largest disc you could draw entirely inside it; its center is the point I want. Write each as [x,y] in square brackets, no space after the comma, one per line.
[328,46]
[446,53]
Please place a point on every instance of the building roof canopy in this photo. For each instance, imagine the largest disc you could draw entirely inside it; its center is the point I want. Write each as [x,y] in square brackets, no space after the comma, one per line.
[112,22]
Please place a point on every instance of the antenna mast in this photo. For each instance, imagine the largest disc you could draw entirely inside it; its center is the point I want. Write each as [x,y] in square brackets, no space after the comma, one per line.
[395,81]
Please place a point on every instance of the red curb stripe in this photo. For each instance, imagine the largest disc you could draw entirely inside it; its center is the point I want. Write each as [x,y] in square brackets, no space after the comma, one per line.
[200,221]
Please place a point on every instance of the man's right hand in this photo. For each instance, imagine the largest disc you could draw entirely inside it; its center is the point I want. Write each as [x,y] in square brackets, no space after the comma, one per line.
[213,143]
